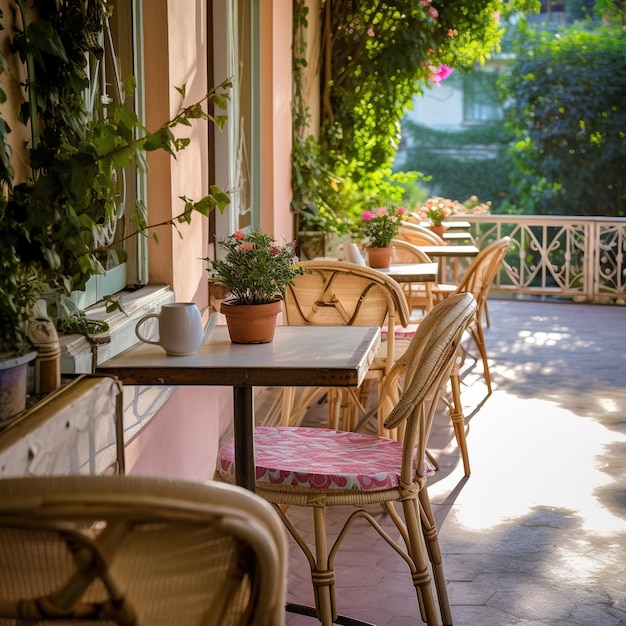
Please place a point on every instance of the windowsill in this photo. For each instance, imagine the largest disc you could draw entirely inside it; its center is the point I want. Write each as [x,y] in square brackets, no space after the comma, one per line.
[77,354]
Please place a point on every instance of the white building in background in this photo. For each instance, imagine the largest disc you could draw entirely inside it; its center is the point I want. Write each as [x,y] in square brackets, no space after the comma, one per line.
[461,101]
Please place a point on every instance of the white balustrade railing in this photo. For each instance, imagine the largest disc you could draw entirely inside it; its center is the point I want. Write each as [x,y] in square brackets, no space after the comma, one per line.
[570,256]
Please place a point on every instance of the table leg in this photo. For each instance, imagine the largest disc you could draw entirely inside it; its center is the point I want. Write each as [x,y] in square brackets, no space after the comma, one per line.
[243,427]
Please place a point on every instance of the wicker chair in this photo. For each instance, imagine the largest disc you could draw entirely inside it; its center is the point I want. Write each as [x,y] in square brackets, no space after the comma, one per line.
[320,468]
[129,550]
[338,293]
[477,280]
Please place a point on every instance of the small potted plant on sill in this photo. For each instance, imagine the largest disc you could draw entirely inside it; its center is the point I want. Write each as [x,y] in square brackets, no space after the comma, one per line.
[378,228]
[256,272]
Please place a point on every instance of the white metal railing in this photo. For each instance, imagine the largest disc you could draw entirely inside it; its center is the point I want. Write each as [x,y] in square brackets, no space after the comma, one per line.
[570,256]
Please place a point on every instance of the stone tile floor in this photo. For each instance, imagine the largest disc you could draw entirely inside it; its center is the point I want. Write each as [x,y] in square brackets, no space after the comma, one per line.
[537,534]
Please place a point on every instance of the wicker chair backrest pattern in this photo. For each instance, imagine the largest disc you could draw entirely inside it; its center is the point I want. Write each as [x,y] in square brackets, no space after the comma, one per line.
[130,550]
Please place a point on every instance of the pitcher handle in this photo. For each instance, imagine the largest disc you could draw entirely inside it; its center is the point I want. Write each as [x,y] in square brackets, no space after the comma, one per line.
[145,318]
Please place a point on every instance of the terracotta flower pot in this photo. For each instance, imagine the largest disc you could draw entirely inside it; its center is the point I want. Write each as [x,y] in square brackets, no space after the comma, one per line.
[379,257]
[438,230]
[251,323]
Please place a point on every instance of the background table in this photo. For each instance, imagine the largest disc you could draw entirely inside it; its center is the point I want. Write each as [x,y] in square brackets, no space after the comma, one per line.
[449,251]
[309,356]
[411,272]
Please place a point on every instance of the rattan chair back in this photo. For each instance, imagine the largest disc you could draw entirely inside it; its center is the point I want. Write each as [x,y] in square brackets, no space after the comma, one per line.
[137,551]
[339,293]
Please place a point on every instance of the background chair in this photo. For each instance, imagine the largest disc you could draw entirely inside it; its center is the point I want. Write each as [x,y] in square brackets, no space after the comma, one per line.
[338,293]
[319,468]
[477,280]
[129,550]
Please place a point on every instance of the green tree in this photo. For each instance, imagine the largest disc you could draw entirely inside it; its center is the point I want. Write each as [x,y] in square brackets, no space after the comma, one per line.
[568,114]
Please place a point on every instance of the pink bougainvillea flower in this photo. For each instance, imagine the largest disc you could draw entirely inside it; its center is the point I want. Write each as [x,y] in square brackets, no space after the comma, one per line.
[441,73]
[239,235]
[367,216]
[433,13]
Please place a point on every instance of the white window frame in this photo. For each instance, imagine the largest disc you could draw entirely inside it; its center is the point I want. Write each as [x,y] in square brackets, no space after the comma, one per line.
[232,154]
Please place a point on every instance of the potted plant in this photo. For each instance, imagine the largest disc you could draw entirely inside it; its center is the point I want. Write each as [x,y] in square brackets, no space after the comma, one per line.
[69,192]
[435,210]
[320,231]
[256,272]
[378,228]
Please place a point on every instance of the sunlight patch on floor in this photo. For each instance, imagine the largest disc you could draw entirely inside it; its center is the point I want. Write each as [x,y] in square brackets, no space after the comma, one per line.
[530,453]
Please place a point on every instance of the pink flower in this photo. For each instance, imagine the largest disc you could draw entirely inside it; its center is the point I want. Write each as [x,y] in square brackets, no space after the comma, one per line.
[400,211]
[370,32]
[246,246]
[380,212]
[433,13]
[239,235]
[441,73]
[275,250]
[367,216]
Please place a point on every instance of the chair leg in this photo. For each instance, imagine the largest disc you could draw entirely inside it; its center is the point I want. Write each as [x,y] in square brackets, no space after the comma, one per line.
[323,577]
[486,311]
[434,553]
[288,399]
[456,414]
[417,550]
[334,408]
[479,338]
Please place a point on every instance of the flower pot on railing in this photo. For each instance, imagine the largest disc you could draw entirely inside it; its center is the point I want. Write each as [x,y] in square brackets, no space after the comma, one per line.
[438,229]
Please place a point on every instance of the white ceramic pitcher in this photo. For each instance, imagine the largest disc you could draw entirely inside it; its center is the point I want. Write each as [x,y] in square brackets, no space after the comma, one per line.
[179,327]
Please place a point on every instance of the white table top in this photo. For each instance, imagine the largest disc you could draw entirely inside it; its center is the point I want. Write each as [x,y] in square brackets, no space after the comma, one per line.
[299,356]
[451,250]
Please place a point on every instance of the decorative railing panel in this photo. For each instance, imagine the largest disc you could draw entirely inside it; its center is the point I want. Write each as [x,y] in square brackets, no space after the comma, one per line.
[576,257]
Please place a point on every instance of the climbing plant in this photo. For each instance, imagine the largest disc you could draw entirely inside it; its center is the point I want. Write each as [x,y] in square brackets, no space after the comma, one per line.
[48,220]
[375,56]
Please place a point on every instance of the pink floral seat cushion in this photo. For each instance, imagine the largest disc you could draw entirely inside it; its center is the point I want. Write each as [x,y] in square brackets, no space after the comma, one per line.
[400,332]
[319,458]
